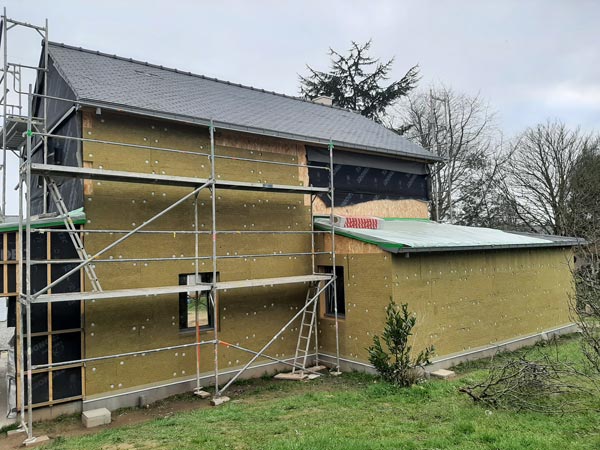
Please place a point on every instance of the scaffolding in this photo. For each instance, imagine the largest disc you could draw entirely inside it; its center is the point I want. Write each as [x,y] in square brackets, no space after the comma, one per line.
[22,133]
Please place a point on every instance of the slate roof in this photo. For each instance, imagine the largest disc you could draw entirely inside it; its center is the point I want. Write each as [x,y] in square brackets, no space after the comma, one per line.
[109,81]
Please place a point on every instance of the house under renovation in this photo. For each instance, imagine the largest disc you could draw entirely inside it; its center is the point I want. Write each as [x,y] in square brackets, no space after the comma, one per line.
[179,232]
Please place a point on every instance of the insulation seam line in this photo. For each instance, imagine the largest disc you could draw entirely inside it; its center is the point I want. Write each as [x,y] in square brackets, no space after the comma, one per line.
[505,343]
[268,344]
[206,377]
[264,355]
[167,149]
[118,241]
[40,228]
[460,355]
[120,355]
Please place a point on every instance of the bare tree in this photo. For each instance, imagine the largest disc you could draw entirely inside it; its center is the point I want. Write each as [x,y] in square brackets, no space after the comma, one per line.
[584,202]
[540,172]
[584,220]
[543,383]
[460,129]
[483,201]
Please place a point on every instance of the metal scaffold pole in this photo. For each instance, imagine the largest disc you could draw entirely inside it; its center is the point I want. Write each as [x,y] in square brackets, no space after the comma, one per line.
[45,115]
[197,293]
[20,293]
[40,136]
[4,111]
[118,241]
[213,293]
[312,235]
[334,270]
[314,271]
[274,338]
[28,269]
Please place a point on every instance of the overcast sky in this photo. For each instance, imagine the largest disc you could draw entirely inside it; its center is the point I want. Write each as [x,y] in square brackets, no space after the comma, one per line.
[531,60]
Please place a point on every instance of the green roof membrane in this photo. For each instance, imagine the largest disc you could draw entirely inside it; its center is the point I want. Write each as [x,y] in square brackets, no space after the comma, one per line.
[406,235]
[12,222]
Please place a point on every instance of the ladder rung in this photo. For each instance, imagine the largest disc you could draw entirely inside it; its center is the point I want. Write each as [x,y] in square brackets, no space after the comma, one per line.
[75,239]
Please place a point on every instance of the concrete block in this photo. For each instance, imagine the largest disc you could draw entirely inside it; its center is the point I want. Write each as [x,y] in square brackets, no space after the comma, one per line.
[291,376]
[443,374]
[38,440]
[17,431]
[200,393]
[216,401]
[316,368]
[96,417]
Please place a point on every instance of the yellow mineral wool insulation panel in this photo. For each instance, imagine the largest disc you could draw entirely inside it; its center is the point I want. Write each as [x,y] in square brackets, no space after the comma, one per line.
[462,300]
[134,324]
[344,245]
[367,283]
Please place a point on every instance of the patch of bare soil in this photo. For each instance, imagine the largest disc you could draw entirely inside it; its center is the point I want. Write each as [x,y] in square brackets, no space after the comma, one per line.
[72,426]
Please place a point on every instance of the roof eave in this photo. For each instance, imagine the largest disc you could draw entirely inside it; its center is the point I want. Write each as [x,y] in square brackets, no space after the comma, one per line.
[245,129]
[480,247]
[397,248]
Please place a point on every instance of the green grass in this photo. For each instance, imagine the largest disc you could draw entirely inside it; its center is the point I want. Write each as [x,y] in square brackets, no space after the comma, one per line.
[356,411]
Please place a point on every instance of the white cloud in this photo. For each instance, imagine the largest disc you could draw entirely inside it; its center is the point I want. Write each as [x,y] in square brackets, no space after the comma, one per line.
[568,95]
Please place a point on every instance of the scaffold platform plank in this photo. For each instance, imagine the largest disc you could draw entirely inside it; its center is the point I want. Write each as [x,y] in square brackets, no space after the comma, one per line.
[164,290]
[246,186]
[271,281]
[52,170]
[14,134]
[120,293]
[167,180]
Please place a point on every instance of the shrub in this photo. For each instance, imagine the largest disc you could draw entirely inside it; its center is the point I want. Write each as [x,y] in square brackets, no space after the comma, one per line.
[394,362]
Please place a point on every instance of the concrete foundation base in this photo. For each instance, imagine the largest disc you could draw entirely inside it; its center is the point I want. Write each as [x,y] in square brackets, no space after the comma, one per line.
[158,392]
[53,412]
[151,394]
[449,361]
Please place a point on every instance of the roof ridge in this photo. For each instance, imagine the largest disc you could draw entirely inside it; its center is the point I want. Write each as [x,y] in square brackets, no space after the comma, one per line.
[196,75]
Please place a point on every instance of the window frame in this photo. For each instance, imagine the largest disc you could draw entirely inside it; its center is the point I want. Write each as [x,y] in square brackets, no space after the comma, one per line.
[184,297]
[328,310]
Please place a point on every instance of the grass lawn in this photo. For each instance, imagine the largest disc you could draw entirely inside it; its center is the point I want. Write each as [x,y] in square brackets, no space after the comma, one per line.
[356,411]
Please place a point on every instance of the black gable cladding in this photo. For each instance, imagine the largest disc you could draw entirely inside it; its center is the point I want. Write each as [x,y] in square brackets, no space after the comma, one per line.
[60,151]
[361,178]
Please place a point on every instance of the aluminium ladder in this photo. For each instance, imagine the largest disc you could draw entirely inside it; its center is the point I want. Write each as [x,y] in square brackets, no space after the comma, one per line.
[73,233]
[307,325]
